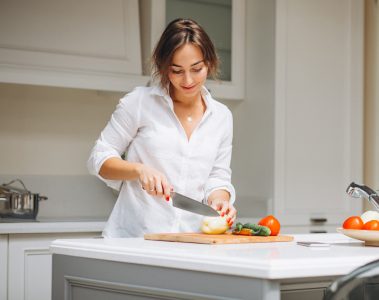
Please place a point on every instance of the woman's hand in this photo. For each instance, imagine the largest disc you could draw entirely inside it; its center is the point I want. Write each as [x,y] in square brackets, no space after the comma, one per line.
[219,200]
[225,209]
[154,182]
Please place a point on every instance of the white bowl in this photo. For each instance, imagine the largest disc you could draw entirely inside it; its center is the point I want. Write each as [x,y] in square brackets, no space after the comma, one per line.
[370,237]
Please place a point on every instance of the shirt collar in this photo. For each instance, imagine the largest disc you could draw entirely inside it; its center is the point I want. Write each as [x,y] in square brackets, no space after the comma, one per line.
[158,90]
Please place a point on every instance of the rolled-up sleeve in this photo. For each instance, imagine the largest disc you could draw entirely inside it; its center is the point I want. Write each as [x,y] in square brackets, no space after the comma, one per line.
[220,176]
[116,136]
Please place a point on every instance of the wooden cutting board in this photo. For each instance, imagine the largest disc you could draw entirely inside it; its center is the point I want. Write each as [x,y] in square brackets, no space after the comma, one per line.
[226,238]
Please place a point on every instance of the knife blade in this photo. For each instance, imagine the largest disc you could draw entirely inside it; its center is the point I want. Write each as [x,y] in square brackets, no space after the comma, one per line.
[191,205]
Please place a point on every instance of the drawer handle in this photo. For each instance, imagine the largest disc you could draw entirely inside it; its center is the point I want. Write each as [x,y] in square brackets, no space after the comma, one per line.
[318,231]
[319,220]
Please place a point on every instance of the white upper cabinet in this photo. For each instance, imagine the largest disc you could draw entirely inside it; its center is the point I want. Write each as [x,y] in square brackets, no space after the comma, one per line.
[91,44]
[318,109]
[223,20]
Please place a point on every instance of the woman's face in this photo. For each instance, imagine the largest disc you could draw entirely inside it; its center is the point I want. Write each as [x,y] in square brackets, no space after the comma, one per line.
[188,71]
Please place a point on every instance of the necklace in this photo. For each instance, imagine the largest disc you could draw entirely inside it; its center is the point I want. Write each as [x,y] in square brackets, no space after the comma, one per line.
[189,117]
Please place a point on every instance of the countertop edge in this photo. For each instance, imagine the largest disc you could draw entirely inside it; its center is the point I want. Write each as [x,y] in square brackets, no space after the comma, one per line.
[51,227]
[131,252]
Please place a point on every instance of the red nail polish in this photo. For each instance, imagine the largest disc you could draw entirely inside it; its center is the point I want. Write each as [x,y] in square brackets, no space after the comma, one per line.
[228,220]
[167,198]
[222,214]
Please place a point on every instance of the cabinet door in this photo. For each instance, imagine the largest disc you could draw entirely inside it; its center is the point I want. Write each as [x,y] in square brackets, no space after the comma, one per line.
[30,263]
[311,290]
[318,109]
[311,294]
[3,266]
[223,20]
[75,43]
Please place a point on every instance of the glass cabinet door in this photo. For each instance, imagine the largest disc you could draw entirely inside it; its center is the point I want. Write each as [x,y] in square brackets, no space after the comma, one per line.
[215,17]
[224,21]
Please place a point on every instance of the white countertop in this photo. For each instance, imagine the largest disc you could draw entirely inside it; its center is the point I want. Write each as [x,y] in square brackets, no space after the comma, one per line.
[279,260]
[52,226]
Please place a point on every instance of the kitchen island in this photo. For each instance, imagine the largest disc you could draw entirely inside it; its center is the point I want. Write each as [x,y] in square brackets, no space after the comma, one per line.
[134,268]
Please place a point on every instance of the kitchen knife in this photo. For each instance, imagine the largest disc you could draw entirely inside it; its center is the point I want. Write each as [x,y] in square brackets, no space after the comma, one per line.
[191,205]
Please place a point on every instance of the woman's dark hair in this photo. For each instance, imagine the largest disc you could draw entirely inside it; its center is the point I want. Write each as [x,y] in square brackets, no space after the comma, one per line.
[178,33]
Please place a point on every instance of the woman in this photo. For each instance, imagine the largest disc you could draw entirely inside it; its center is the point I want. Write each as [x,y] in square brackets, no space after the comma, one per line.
[176,136]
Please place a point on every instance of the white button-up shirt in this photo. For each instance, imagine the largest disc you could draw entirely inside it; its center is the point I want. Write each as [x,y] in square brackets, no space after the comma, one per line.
[145,127]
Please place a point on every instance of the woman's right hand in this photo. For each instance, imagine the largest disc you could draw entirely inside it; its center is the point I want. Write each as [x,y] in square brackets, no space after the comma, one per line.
[154,182]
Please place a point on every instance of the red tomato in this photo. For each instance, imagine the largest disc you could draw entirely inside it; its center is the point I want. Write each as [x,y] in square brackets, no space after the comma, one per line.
[353,222]
[272,223]
[371,225]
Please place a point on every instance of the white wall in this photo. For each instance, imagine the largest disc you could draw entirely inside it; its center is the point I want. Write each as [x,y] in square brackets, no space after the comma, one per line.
[371,164]
[46,134]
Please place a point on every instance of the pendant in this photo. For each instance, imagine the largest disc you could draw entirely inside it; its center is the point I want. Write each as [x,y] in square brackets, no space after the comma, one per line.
[189,119]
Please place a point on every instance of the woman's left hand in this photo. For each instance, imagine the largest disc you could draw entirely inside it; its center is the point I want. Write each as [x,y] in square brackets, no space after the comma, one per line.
[225,208]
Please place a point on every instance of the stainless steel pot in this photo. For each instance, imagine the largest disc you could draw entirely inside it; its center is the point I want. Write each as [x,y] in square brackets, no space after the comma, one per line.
[16,202]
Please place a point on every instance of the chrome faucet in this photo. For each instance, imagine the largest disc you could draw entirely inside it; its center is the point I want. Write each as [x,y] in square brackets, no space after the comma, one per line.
[358,191]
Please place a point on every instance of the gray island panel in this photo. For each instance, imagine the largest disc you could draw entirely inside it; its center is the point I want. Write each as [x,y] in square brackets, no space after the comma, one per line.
[85,278]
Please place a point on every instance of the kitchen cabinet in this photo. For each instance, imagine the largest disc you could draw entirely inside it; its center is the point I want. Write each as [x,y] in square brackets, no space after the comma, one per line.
[3,266]
[311,228]
[318,110]
[81,44]
[224,21]
[301,291]
[309,294]
[29,264]
[25,259]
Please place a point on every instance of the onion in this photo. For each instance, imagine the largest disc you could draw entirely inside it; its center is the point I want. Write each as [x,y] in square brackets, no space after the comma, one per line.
[370,215]
[214,225]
